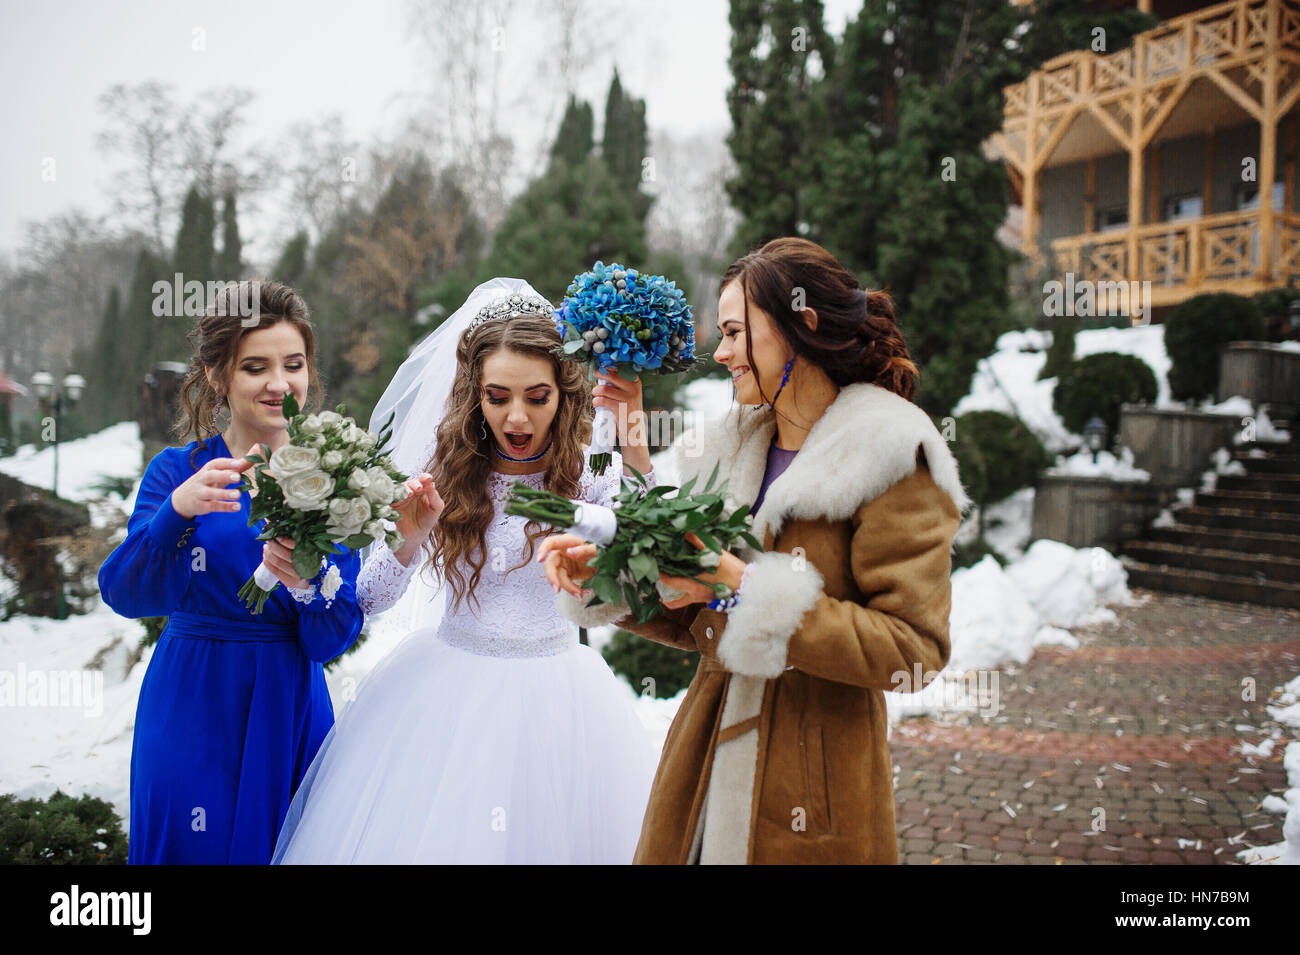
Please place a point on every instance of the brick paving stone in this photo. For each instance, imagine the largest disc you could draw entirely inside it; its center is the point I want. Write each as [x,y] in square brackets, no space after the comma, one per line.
[1149,706]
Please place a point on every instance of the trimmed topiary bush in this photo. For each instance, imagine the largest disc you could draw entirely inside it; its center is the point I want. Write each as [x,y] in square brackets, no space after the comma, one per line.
[62,830]
[637,658]
[996,455]
[1195,333]
[1098,385]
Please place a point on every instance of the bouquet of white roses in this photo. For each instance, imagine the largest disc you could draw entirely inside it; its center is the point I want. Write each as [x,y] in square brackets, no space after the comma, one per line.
[331,484]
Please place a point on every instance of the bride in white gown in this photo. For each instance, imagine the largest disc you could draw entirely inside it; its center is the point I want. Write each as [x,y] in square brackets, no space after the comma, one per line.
[489,734]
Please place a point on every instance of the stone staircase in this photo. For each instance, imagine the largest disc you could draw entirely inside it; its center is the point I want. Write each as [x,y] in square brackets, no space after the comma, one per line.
[1239,542]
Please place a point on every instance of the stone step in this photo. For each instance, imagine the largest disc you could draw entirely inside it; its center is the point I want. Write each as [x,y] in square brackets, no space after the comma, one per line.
[1208,584]
[1258,567]
[1240,519]
[1277,483]
[1267,502]
[1219,538]
[1274,462]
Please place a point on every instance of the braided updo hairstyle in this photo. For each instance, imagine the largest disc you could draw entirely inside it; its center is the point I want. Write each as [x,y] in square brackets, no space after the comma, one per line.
[214,344]
[857,338]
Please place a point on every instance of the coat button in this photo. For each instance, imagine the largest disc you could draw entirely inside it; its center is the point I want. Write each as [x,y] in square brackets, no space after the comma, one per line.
[708,632]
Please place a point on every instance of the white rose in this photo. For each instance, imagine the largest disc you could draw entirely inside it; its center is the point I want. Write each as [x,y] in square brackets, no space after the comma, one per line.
[400,492]
[290,460]
[311,424]
[376,530]
[388,513]
[330,583]
[359,481]
[331,460]
[330,419]
[307,491]
[367,440]
[352,435]
[381,487]
[350,522]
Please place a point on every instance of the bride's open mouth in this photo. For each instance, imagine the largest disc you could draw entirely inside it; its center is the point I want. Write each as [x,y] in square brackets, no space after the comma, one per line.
[518,442]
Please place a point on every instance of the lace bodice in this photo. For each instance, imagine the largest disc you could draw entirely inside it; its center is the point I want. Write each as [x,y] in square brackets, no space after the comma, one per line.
[516,613]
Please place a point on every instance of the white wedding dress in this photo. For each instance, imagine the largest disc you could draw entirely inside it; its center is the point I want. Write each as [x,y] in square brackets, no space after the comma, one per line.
[495,738]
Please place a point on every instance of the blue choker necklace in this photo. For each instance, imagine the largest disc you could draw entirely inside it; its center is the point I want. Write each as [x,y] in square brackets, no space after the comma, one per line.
[535,457]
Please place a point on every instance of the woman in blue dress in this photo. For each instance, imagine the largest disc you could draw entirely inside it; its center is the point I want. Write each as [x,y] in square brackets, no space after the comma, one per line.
[233,706]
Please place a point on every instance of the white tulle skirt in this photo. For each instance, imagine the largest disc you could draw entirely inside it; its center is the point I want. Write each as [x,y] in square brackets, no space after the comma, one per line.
[452,756]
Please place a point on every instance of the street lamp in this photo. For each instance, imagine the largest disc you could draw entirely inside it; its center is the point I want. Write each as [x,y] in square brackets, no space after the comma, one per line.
[1094,433]
[50,400]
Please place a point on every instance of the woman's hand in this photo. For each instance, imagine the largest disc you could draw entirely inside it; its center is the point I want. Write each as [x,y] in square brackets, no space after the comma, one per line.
[418,514]
[205,490]
[419,511]
[565,558]
[730,570]
[278,556]
[615,392]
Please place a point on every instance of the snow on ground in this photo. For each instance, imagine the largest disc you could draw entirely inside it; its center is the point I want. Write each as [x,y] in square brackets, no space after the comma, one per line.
[83,463]
[67,705]
[1286,852]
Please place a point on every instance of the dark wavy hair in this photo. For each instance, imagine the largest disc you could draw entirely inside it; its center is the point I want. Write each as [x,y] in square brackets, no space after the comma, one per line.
[462,461]
[214,342]
[857,336]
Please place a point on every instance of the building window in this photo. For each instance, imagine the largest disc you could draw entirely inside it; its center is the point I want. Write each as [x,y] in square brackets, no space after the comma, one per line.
[1248,196]
[1186,206]
[1108,220]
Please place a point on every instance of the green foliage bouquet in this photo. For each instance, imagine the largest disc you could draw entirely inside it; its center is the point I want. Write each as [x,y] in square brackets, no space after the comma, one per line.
[642,536]
[331,484]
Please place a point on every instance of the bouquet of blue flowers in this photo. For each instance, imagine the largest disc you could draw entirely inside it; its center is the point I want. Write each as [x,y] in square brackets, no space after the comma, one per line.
[615,318]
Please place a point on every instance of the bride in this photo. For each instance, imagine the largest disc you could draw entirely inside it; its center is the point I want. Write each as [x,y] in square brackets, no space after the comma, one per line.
[489,734]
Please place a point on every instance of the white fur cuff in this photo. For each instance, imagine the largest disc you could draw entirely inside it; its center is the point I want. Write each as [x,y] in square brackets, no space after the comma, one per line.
[584,616]
[777,593]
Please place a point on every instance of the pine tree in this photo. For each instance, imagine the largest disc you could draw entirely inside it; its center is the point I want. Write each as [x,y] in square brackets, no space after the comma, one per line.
[229,265]
[194,260]
[578,211]
[879,157]
[292,266]
[775,116]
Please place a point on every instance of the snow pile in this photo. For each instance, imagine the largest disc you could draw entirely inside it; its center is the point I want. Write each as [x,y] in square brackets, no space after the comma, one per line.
[1000,615]
[1286,852]
[113,453]
[67,705]
[1287,708]
[1106,465]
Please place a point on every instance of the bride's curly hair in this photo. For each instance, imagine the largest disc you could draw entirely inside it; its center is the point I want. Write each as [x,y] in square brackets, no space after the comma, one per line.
[462,462]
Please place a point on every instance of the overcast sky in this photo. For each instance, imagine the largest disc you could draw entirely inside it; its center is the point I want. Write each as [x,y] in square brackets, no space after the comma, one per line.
[302,60]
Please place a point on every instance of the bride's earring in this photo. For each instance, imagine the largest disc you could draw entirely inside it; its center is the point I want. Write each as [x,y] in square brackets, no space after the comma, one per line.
[217,410]
[482,428]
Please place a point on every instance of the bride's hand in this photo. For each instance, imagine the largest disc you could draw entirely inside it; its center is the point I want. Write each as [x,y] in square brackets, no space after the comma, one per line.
[565,557]
[420,510]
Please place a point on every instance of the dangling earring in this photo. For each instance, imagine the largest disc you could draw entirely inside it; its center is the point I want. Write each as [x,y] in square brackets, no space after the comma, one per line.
[482,428]
[216,411]
[784,379]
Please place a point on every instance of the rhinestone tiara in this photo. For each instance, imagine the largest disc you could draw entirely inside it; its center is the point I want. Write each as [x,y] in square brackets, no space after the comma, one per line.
[513,304]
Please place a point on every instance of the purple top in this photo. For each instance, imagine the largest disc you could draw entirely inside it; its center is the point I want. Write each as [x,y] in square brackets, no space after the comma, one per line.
[778,459]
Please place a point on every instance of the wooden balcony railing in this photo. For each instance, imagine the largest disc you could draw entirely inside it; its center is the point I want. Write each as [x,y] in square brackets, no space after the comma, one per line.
[1211,39]
[1213,249]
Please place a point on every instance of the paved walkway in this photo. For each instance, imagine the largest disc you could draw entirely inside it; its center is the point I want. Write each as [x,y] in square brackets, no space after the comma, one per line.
[1140,729]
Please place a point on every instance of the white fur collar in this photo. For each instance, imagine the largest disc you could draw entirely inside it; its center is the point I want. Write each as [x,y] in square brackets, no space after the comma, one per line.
[864,444]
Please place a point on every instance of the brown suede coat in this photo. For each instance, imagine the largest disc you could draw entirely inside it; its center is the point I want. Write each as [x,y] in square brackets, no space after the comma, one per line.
[779,752]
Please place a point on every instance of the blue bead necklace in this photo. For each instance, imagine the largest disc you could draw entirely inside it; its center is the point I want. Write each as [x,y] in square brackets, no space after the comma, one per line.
[535,457]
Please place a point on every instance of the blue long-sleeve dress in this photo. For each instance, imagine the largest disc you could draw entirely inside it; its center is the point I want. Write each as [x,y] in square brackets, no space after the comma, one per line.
[233,706]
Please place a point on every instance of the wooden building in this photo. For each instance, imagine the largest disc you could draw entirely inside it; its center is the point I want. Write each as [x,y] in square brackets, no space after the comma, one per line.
[1148,163]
